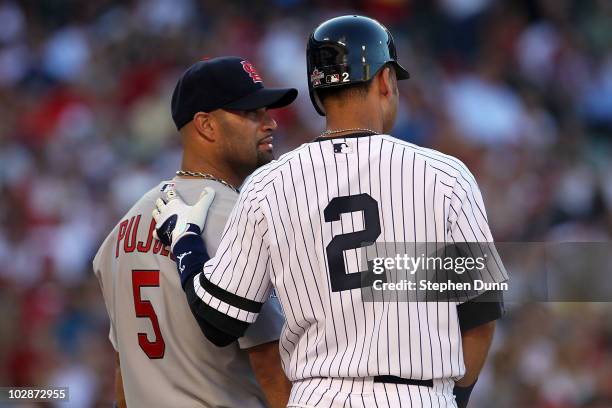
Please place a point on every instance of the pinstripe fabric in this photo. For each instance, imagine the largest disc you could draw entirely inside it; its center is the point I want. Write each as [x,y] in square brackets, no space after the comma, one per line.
[279,236]
[364,393]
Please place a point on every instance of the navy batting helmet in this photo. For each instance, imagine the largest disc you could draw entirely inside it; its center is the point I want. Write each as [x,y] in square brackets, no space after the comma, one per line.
[347,50]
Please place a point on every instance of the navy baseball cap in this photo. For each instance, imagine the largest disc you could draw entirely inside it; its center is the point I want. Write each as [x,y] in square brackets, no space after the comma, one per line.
[223,83]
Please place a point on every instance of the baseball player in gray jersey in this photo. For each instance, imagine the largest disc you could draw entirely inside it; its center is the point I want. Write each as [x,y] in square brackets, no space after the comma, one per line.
[221,110]
[301,221]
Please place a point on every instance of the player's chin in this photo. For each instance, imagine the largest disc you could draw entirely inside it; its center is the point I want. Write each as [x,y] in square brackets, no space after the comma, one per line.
[264,156]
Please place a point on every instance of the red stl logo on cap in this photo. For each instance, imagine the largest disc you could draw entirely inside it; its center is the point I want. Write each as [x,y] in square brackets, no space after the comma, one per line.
[250,69]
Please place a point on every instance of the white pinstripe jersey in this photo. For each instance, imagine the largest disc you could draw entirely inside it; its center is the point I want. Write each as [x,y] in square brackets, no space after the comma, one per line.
[297,213]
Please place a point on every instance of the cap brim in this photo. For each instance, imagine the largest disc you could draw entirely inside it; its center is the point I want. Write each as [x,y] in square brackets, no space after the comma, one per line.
[265,98]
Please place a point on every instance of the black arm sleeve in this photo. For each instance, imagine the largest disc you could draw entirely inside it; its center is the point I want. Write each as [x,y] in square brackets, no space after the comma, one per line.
[220,329]
[462,395]
[482,309]
[215,336]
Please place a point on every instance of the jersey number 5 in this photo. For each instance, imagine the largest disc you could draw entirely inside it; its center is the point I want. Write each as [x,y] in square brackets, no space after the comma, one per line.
[144,308]
[339,279]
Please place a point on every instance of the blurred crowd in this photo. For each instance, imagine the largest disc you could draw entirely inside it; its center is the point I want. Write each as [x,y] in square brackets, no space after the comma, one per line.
[520,90]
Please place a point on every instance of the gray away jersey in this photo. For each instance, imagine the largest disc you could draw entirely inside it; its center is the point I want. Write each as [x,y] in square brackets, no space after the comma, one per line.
[165,359]
[297,227]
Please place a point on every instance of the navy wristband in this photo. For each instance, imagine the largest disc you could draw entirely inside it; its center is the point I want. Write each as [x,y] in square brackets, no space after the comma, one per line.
[190,255]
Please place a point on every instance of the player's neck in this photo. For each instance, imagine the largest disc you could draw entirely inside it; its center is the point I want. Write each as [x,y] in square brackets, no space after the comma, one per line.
[216,170]
[359,119]
[347,127]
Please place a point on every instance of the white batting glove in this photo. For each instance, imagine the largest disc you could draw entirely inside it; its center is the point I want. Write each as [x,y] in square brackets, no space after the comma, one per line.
[175,219]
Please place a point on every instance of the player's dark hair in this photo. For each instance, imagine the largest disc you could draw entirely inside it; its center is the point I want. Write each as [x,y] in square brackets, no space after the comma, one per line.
[358,90]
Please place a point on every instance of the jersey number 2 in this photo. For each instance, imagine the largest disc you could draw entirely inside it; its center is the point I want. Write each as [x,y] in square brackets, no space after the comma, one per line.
[144,308]
[339,279]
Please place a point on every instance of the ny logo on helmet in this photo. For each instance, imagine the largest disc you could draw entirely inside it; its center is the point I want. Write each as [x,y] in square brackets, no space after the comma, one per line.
[250,69]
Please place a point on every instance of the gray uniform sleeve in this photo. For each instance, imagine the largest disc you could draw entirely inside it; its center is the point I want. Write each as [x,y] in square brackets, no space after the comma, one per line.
[267,327]
[103,271]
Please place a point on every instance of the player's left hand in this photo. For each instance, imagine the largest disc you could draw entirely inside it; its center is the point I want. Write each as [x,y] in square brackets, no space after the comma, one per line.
[174,218]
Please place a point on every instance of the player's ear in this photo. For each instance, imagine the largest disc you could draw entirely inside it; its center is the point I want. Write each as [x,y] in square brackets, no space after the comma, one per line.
[386,81]
[204,125]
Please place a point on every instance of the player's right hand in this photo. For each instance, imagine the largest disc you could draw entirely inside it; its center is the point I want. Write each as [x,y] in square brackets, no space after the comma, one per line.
[174,218]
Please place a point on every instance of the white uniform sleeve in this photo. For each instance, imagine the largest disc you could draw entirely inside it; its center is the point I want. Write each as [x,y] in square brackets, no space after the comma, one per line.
[231,290]
[468,229]
[467,221]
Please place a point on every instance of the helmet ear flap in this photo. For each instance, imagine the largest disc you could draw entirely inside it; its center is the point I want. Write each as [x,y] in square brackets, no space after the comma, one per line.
[316,102]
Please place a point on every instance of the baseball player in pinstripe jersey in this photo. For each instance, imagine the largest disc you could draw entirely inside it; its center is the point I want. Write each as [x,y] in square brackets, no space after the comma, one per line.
[220,108]
[301,222]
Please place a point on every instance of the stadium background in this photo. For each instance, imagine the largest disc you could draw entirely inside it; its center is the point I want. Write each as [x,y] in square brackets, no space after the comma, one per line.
[520,90]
